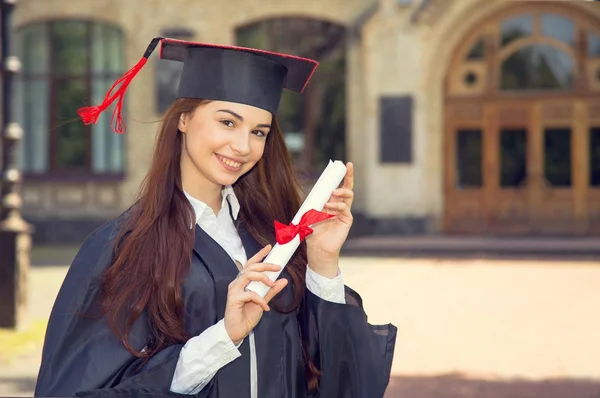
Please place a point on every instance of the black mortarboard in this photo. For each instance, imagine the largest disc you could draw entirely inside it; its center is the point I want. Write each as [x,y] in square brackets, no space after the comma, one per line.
[216,72]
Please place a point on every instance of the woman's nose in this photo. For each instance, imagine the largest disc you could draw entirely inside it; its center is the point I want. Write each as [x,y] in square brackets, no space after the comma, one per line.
[241,143]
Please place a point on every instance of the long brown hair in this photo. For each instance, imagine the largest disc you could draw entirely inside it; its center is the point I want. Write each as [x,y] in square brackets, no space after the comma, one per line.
[151,280]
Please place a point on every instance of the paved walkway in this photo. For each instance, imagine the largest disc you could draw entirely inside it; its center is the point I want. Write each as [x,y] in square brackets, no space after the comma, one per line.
[18,368]
[466,327]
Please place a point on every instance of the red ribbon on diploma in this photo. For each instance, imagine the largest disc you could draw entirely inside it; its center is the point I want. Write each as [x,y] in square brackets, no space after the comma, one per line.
[285,233]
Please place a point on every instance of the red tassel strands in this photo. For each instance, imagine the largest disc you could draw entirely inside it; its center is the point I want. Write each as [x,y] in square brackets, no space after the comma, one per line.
[90,114]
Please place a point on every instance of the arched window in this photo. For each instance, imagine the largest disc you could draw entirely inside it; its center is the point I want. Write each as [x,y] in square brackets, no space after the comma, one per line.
[532,51]
[537,67]
[67,64]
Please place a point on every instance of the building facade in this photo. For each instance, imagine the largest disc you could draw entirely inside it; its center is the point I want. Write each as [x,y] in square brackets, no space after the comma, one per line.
[463,116]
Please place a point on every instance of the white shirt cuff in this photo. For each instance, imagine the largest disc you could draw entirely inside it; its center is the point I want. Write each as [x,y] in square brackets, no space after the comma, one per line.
[201,358]
[329,289]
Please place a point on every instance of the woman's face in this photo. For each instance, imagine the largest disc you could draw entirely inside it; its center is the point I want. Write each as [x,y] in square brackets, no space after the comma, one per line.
[221,142]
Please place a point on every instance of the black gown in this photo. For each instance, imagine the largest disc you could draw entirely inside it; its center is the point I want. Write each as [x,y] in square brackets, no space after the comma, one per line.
[83,357]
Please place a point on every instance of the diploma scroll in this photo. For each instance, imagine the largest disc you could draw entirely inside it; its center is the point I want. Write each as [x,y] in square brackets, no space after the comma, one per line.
[280,255]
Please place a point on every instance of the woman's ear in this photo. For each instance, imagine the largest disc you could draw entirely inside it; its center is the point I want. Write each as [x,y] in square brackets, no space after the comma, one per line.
[182,125]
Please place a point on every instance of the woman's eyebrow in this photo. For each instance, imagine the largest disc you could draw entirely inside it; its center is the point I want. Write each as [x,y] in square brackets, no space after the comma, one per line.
[241,118]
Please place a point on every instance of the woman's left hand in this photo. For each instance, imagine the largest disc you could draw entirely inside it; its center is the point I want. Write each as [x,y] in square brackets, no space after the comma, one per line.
[325,243]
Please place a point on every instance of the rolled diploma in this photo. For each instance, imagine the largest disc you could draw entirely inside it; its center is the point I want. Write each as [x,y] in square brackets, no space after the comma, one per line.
[319,195]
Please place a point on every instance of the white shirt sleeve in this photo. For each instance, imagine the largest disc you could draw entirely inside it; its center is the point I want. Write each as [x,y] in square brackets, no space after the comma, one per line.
[201,358]
[329,289]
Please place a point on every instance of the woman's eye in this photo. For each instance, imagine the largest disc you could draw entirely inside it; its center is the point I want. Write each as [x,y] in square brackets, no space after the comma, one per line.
[259,133]
[227,123]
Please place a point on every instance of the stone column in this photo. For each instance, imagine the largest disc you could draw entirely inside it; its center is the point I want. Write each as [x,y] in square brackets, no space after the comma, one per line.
[15,233]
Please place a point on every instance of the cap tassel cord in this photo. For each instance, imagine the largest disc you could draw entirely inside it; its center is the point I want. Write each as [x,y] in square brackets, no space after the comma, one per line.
[90,114]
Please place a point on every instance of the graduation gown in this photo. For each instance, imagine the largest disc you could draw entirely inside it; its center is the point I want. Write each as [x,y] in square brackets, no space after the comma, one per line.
[83,357]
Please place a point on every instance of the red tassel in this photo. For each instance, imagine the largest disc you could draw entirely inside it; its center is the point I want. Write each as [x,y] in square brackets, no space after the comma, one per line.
[90,114]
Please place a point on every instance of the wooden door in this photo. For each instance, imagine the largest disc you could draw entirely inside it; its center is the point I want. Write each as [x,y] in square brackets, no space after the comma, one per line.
[465,203]
[559,166]
[490,168]
[536,168]
[516,167]
[591,175]
[510,167]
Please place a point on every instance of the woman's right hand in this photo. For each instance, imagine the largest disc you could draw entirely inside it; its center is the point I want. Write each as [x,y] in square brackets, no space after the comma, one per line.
[244,309]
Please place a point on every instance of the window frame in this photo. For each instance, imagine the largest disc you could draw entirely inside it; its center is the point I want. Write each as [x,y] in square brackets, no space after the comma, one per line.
[54,171]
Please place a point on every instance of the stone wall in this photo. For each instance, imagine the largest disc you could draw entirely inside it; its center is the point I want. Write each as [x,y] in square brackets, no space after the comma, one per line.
[392,50]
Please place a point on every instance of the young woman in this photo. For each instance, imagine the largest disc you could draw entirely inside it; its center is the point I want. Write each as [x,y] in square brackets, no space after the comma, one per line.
[155,301]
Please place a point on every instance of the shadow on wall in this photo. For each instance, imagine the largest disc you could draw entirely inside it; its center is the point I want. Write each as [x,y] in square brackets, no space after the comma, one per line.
[459,386]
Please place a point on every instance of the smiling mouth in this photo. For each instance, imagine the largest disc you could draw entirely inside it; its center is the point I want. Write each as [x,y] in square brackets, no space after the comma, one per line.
[228,162]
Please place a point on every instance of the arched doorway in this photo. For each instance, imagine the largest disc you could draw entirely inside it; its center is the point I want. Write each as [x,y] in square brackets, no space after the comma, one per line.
[522,125]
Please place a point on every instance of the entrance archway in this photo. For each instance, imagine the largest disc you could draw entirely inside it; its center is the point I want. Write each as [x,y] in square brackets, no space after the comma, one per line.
[522,125]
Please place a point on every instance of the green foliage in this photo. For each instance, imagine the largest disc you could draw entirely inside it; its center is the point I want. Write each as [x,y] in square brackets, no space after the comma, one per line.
[331,130]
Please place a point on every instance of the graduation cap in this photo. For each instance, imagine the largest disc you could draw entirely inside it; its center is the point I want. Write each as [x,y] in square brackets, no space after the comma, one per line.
[216,72]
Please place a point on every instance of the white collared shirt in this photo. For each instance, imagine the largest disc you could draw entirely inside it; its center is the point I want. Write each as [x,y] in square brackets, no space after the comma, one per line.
[203,355]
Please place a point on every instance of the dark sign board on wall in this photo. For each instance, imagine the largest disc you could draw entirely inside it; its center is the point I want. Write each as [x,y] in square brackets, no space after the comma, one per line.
[395,129]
